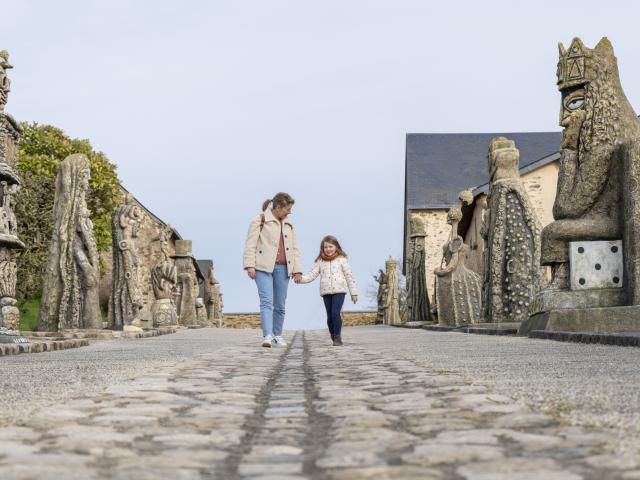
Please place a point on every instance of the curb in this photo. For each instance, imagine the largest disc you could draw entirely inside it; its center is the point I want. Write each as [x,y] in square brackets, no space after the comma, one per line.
[39,347]
[628,339]
[100,334]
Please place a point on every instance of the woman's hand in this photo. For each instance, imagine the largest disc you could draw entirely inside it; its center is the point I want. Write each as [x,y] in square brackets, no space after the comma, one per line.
[252,273]
[354,298]
[297,277]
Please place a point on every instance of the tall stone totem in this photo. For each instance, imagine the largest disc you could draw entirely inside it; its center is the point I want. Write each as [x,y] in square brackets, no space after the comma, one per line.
[593,245]
[70,290]
[164,277]
[126,297]
[212,297]
[418,309]
[187,283]
[392,299]
[511,231]
[458,294]
[9,184]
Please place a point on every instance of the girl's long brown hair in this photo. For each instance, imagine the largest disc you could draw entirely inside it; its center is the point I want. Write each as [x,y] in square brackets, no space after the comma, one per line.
[280,199]
[333,241]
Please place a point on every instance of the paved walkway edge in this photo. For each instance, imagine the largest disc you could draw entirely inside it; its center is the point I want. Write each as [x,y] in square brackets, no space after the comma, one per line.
[41,346]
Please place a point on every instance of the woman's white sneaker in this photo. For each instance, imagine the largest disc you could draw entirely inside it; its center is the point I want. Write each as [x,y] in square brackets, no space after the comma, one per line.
[279,341]
[266,341]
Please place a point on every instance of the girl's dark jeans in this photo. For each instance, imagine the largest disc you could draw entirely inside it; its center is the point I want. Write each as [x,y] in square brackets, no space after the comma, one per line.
[333,304]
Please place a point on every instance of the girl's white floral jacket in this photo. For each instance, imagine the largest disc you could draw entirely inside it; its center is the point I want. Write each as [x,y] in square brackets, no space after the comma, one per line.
[335,276]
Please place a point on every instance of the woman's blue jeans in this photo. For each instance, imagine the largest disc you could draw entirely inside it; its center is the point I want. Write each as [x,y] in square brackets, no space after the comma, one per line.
[272,290]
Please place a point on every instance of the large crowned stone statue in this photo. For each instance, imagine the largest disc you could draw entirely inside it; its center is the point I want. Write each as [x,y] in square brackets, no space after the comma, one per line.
[9,242]
[593,246]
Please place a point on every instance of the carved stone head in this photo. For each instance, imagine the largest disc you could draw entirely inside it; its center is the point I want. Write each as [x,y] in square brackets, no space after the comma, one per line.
[594,109]
[504,159]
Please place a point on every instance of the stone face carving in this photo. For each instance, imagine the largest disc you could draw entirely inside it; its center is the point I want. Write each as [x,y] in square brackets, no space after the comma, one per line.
[458,297]
[187,283]
[70,290]
[126,297]
[597,195]
[392,298]
[381,296]
[511,231]
[418,308]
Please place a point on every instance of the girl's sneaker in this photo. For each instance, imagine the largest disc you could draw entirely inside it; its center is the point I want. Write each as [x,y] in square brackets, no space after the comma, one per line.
[266,341]
[337,341]
[279,341]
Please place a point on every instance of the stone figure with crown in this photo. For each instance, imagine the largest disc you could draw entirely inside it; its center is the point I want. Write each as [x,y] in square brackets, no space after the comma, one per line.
[593,244]
[187,283]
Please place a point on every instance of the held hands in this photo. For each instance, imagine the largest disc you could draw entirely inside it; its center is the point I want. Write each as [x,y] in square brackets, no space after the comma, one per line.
[297,277]
[354,298]
[252,273]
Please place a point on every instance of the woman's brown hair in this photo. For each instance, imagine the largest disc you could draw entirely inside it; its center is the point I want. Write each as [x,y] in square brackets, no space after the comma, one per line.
[280,199]
[333,241]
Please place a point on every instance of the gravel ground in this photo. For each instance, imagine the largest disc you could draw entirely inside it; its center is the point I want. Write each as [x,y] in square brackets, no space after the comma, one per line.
[586,385]
[31,381]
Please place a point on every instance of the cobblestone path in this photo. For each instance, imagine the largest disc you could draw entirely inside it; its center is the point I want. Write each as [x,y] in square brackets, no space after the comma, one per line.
[308,411]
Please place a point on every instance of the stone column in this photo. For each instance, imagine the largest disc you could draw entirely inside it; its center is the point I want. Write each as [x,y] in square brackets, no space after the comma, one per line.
[187,283]
[392,300]
[126,297]
[418,309]
[70,288]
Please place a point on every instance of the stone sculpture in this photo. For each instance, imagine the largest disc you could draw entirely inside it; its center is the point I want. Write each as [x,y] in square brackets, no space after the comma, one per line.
[381,296]
[201,311]
[9,242]
[458,297]
[418,309]
[598,198]
[392,298]
[10,131]
[187,283]
[511,232]
[164,277]
[70,289]
[212,296]
[126,297]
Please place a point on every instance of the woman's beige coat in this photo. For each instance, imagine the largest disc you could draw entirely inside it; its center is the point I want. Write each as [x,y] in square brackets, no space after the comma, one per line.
[261,247]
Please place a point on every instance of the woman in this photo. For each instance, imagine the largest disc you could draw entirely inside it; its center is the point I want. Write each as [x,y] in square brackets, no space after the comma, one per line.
[271,257]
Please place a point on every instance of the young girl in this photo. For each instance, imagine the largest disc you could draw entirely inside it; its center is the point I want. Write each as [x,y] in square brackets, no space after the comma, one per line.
[336,281]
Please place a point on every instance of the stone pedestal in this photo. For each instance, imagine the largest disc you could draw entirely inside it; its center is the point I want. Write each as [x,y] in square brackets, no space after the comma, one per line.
[597,320]
[164,313]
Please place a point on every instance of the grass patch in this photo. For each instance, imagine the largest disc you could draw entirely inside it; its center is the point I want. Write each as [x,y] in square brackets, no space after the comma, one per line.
[29,311]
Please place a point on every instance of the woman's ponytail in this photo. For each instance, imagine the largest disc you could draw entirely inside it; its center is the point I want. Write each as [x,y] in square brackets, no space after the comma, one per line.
[280,199]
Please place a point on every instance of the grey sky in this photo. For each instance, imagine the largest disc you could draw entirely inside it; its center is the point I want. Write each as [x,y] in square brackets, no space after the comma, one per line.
[209,107]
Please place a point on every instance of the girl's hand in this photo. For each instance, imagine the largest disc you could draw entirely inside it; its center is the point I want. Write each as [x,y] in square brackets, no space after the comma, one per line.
[354,298]
[252,273]
[297,277]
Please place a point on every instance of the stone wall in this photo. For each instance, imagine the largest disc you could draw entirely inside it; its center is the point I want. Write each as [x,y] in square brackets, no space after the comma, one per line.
[541,187]
[252,320]
[437,235]
[241,320]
